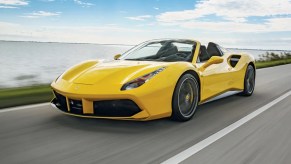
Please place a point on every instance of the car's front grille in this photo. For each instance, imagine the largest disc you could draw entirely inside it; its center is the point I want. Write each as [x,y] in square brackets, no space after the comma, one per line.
[115,108]
[107,108]
[76,106]
[61,102]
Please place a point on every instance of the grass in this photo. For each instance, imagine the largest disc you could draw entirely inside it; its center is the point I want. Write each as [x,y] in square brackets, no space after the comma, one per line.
[264,64]
[272,59]
[25,95]
[37,94]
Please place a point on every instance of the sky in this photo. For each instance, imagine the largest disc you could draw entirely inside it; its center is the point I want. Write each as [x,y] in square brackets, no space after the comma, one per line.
[255,24]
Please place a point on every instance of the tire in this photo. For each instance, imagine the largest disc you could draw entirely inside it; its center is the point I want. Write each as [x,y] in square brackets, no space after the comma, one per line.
[187,92]
[249,82]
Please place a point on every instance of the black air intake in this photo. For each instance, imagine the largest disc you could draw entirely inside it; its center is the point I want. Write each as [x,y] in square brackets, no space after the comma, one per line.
[60,102]
[115,108]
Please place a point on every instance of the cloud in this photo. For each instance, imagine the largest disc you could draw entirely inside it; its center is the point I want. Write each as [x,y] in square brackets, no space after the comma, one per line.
[232,10]
[7,24]
[278,24]
[272,15]
[8,7]
[12,4]
[48,0]
[39,14]
[83,4]
[271,25]
[140,18]
[156,8]
[81,34]
[116,34]
[147,24]
[174,16]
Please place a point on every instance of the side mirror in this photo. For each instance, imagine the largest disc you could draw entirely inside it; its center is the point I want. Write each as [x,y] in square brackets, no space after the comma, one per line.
[212,60]
[116,57]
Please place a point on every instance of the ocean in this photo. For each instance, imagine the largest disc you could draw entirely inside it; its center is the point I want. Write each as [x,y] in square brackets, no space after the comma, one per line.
[34,63]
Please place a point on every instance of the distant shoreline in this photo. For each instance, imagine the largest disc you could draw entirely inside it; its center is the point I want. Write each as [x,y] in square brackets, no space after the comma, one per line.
[68,43]
[104,44]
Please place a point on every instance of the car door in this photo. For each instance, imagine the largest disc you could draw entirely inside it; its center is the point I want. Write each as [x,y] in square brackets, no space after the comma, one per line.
[215,78]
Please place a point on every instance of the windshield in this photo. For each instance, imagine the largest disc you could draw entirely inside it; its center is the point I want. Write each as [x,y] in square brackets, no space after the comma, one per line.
[163,50]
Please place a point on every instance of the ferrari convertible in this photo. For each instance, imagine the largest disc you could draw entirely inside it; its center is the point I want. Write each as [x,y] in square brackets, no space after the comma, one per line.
[156,79]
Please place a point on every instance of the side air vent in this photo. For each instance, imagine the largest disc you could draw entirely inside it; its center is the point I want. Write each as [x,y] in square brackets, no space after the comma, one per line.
[234,59]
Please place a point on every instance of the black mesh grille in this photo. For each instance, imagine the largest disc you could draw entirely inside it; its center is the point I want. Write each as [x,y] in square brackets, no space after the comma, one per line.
[115,108]
[61,102]
[76,106]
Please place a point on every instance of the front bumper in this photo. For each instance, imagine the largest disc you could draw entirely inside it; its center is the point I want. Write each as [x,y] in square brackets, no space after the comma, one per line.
[111,109]
[153,101]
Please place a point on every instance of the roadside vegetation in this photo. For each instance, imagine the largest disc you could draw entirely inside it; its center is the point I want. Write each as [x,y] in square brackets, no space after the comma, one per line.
[25,95]
[272,59]
[37,94]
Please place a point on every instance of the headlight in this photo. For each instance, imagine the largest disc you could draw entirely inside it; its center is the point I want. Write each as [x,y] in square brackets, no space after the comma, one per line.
[141,80]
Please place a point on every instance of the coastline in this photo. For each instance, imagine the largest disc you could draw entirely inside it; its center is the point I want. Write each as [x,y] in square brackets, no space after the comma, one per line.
[118,44]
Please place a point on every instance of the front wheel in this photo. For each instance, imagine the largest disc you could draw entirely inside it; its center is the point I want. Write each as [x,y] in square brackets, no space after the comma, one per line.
[249,82]
[185,98]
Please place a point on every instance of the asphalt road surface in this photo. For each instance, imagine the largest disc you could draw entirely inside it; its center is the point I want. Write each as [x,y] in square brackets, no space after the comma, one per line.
[41,134]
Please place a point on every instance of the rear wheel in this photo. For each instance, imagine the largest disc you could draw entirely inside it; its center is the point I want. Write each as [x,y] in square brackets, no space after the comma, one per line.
[249,82]
[185,98]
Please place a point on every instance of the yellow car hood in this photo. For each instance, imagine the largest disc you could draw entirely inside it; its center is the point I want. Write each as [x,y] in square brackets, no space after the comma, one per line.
[114,72]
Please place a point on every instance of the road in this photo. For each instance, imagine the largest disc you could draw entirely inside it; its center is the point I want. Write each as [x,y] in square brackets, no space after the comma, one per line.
[44,135]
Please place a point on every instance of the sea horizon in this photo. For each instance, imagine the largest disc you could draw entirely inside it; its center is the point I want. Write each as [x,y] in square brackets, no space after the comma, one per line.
[118,44]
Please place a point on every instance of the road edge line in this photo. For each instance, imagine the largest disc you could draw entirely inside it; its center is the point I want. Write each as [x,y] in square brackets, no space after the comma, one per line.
[22,107]
[216,136]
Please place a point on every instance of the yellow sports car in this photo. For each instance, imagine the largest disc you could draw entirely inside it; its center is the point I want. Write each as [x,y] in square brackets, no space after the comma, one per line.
[156,79]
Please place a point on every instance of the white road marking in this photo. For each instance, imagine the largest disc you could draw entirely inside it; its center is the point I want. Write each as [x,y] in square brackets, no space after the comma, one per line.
[23,107]
[211,139]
